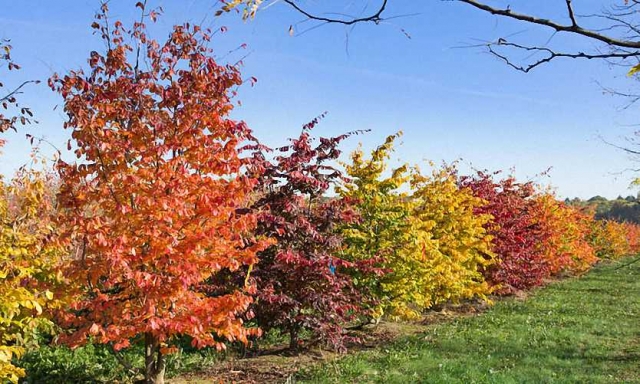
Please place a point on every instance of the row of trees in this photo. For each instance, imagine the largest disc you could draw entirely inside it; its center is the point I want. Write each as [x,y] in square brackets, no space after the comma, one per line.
[175,223]
[621,209]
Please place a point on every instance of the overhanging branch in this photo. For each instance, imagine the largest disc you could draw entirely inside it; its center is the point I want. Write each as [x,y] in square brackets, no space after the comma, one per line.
[550,55]
[375,17]
[574,28]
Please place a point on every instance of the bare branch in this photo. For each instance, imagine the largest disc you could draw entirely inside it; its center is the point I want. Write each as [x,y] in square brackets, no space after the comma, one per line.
[625,149]
[574,28]
[617,30]
[632,97]
[124,362]
[571,15]
[16,90]
[376,17]
[550,55]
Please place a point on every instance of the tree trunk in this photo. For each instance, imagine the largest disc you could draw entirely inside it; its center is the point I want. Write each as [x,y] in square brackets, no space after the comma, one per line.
[154,363]
[293,338]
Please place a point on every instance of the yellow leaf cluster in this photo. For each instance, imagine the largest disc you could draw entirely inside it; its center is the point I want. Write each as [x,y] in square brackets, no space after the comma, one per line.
[249,7]
[634,70]
[610,239]
[26,261]
[385,226]
[423,231]
[456,244]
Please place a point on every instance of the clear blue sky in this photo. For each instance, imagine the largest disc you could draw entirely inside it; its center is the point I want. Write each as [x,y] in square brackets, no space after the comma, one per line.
[451,103]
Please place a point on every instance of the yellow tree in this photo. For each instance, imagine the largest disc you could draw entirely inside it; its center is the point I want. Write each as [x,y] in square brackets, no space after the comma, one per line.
[384,234]
[460,246]
[27,261]
[609,239]
[429,241]
[26,255]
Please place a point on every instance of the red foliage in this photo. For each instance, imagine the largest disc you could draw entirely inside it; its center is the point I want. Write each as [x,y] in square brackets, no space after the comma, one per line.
[521,261]
[301,280]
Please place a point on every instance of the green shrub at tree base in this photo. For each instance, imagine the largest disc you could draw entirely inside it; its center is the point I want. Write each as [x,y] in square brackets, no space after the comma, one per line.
[87,364]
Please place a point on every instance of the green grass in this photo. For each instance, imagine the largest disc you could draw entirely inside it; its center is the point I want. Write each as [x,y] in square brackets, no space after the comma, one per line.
[580,330]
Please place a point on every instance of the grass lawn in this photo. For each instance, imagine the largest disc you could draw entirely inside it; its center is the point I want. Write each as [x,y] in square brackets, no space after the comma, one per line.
[579,330]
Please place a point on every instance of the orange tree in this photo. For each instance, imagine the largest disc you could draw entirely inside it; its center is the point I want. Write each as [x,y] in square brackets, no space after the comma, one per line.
[633,236]
[153,202]
[566,246]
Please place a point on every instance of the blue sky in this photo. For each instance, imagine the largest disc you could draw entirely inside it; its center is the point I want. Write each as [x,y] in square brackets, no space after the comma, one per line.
[450,102]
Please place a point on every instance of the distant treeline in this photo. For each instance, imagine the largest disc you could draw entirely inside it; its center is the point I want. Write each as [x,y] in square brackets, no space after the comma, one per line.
[622,209]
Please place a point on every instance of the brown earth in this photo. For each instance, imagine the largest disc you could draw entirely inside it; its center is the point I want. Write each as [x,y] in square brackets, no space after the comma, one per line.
[274,365]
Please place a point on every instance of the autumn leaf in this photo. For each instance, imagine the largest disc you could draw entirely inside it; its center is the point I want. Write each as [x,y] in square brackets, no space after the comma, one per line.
[152,202]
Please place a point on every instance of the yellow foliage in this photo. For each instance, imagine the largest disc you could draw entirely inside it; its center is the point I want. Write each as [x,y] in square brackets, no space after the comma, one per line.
[26,261]
[385,227]
[249,7]
[609,239]
[634,70]
[430,242]
[452,237]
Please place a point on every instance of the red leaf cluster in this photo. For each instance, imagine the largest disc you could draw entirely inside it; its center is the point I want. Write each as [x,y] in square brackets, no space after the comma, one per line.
[301,281]
[516,236]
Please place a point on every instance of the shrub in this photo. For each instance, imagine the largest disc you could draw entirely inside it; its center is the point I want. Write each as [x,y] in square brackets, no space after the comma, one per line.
[301,281]
[57,364]
[521,262]
[566,246]
[28,259]
[456,244]
[609,239]
[384,235]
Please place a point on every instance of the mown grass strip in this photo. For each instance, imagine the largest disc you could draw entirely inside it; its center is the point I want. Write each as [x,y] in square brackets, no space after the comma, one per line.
[579,330]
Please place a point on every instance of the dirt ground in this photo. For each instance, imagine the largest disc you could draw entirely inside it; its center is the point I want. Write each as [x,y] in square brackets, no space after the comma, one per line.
[275,366]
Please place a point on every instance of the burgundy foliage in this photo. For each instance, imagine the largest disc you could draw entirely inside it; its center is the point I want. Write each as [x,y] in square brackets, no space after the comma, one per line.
[301,280]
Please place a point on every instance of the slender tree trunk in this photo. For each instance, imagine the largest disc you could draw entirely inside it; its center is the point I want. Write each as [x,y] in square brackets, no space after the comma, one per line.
[293,338]
[153,360]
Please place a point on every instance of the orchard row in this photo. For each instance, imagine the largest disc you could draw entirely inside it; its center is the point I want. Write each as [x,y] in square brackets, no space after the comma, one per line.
[175,223]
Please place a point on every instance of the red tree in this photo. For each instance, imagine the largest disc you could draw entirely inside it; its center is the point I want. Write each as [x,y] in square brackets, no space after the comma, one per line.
[301,280]
[153,203]
[517,239]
